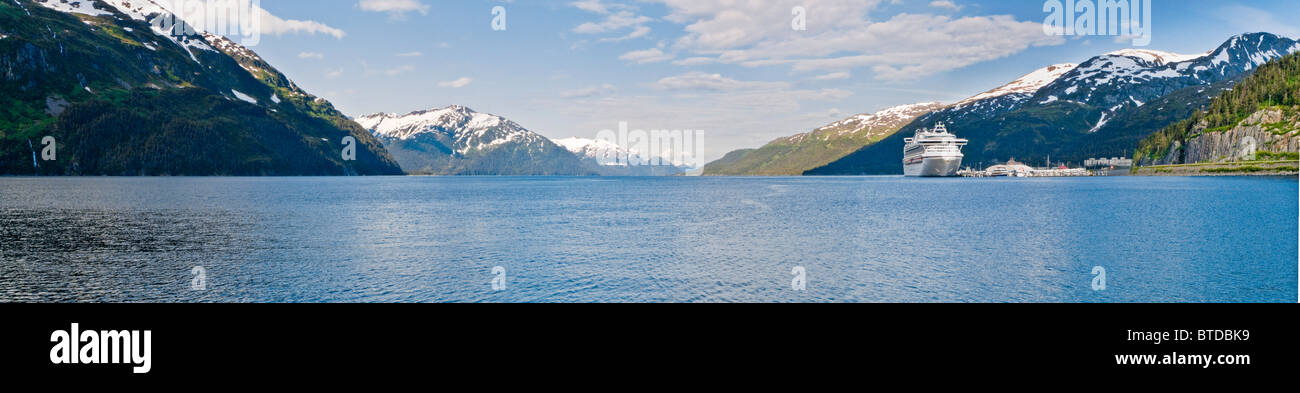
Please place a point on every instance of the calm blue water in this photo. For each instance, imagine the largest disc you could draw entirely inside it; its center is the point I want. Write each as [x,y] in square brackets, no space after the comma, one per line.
[433,239]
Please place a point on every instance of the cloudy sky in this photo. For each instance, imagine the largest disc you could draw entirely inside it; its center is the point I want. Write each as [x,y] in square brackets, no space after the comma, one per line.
[733,68]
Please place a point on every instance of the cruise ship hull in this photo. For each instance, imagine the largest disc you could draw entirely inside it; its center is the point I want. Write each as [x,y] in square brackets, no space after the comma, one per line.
[933,167]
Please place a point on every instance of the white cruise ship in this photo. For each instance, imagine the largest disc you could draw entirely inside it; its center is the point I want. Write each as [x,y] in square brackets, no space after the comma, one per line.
[932,153]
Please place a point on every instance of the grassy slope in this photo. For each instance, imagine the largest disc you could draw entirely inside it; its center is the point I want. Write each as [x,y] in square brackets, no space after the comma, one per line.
[784,158]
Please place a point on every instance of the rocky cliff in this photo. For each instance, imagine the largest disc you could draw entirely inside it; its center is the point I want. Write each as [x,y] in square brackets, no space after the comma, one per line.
[1271,130]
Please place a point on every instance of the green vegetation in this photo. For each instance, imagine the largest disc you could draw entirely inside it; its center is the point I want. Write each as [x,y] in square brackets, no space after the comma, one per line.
[116,107]
[1251,169]
[1273,85]
[794,155]
[786,158]
[1267,156]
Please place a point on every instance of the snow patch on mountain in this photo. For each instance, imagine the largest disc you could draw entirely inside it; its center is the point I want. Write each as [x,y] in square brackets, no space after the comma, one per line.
[604,152]
[885,120]
[147,11]
[84,7]
[1155,56]
[244,97]
[1027,84]
[882,118]
[464,129]
[1100,123]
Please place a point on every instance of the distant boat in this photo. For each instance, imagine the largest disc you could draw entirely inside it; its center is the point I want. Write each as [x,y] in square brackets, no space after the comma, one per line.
[932,153]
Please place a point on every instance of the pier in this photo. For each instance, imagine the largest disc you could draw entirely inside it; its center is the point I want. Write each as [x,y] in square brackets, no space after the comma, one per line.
[1016,169]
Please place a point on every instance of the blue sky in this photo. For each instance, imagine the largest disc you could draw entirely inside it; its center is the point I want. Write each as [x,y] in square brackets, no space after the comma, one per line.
[734,69]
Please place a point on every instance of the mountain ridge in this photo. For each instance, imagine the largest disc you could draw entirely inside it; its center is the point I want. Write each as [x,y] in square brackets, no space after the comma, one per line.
[1089,111]
[792,155]
[456,140]
[123,96]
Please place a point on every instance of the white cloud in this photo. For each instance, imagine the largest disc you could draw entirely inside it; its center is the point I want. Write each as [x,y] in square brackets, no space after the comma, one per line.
[652,55]
[311,55]
[696,80]
[410,54]
[613,22]
[456,84]
[588,91]
[833,76]
[594,6]
[402,69]
[618,17]
[273,25]
[693,61]
[945,4]
[394,8]
[333,74]
[841,35]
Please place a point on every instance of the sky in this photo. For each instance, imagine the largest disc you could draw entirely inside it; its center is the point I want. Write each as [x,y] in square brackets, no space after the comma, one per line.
[737,70]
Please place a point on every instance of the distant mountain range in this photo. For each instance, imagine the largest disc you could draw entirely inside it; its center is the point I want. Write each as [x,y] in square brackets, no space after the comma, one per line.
[456,140]
[122,96]
[609,159]
[1100,108]
[793,155]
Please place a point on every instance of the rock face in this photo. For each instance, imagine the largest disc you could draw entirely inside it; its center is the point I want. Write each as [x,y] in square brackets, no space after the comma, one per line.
[1270,130]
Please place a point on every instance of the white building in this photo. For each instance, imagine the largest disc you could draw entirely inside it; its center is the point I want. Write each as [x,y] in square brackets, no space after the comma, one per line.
[1107,162]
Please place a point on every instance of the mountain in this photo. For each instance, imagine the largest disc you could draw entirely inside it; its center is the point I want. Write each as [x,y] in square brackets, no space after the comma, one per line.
[124,96]
[1259,119]
[1101,108]
[459,141]
[1009,96]
[609,159]
[791,156]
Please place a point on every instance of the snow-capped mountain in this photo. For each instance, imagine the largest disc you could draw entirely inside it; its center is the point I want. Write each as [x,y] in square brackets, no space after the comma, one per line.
[1155,56]
[461,129]
[1130,78]
[604,152]
[1002,99]
[867,125]
[459,140]
[1018,91]
[132,64]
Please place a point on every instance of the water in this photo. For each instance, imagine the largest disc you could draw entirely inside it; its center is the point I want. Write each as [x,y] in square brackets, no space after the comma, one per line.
[432,239]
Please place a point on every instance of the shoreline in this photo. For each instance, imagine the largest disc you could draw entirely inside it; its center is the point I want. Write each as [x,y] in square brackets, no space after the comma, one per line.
[1241,168]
